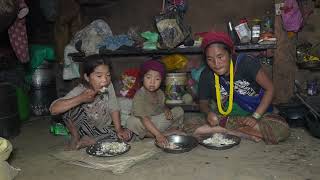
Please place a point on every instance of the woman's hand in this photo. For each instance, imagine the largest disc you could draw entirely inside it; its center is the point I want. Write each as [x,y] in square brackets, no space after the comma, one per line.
[124,134]
[88,95]
[161,140]
[248,121]
[212,119]
[168,114]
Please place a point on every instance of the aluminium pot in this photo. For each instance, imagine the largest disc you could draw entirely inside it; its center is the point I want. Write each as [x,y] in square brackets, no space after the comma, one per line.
[41,99]
[43,76]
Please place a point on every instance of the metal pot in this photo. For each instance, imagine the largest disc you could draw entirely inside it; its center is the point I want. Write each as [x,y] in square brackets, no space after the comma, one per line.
[294,114]
[44,75]
[40,100]
[313,124]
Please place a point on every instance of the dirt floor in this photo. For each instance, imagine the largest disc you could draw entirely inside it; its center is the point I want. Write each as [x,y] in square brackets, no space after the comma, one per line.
[297,158]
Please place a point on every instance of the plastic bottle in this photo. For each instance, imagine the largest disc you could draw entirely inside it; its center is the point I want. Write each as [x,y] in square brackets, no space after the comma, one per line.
[59,129]
[232,32]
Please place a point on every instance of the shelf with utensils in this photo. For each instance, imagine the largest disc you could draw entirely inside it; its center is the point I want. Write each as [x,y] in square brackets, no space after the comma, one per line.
[123,52]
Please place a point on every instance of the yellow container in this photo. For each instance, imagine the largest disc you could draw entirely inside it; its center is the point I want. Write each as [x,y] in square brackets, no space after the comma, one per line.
[175,87]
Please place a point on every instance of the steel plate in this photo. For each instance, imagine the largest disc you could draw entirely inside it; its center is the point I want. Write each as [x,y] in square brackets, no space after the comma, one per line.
[95,150]
[236,139]
[183,143]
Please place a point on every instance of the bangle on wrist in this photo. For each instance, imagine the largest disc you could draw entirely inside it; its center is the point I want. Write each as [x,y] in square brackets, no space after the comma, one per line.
[256,115]
[118,129]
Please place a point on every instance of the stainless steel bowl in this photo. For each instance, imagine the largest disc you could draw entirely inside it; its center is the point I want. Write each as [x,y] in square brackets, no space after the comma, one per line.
[183,143]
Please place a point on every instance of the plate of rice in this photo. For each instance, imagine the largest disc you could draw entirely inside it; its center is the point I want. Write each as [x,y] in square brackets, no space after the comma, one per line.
[219,141]
[108,148]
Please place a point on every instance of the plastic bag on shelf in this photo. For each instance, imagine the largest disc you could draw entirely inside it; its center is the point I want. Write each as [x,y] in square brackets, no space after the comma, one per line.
[175,62]
[171,28]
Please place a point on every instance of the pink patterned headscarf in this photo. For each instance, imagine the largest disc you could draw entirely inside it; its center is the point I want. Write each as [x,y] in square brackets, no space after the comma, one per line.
[18,33]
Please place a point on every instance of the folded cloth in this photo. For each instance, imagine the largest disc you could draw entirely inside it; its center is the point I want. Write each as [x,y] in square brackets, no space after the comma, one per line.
[115,42]
[5,149]
[92,36]
[70,68]
[7,172]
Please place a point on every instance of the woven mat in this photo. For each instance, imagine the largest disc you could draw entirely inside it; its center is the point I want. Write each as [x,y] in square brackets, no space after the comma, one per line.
[192,122]
[140,151]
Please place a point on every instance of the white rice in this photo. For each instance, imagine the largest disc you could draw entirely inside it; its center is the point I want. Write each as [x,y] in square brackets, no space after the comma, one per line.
[113,147]
[218,140]
[103,90]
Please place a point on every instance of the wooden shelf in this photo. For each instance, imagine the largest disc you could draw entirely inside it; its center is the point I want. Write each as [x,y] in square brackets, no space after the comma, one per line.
[78,57]
[245,47]
[96,2]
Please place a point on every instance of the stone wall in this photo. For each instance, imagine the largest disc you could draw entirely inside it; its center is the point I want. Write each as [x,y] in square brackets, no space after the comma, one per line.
[202,15]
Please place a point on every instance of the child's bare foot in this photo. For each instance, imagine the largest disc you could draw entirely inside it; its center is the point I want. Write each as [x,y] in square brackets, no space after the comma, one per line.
[206,129]
[245,136]
[250,138]
[84,142]
[255,139]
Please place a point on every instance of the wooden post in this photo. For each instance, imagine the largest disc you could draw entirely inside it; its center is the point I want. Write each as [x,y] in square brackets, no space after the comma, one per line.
[284,66]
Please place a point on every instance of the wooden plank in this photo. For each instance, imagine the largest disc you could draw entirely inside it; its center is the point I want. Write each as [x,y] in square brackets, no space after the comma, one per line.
[188,50]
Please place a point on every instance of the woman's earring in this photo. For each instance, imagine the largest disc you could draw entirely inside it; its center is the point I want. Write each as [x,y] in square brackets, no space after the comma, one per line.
[86,77]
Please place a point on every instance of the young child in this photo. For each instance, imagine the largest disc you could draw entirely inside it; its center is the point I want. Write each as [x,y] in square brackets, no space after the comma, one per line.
[150,117]
[90,107]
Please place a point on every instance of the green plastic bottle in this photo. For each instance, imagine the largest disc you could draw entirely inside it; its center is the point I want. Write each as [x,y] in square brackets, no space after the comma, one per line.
[23,104]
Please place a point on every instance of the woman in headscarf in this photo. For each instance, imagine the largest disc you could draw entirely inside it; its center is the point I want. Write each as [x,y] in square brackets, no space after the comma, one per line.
[236,93]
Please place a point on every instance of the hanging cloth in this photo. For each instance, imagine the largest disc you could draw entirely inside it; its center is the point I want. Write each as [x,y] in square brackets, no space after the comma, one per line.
[18,33]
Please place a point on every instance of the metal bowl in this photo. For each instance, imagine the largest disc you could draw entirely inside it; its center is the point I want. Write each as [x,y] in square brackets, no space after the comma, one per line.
[183,143]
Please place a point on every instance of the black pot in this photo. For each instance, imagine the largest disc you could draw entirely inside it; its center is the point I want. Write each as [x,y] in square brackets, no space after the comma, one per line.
[41,99]
[313,124]
[294,114]
[9,115]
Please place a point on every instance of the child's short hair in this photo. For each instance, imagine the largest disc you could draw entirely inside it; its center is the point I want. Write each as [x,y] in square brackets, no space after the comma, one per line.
[152,64]
[92,61]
